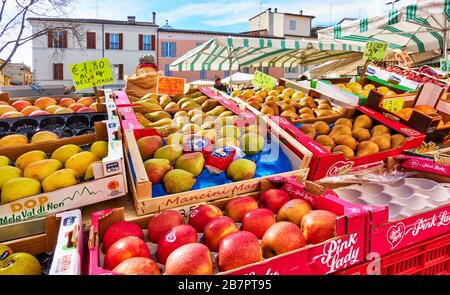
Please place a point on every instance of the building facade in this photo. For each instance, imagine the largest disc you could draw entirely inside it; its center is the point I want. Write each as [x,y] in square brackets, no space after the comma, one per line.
[5,79]
[122,42]
[173,43]
[20,73]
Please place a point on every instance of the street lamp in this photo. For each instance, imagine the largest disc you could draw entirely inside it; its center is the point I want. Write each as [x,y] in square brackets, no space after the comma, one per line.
[393,3]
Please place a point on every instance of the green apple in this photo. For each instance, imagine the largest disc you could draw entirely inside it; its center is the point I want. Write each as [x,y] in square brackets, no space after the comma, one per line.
[5,251]
[20,264]
[4,161]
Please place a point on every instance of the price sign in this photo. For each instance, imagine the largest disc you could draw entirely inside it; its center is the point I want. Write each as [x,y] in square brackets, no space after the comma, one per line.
[91,73]
[170,85]
[394,105]
[262,80]
[445,65]
[375,51]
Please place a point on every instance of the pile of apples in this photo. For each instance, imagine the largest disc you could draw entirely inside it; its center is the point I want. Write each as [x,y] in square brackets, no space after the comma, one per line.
[45,106]
[212,242]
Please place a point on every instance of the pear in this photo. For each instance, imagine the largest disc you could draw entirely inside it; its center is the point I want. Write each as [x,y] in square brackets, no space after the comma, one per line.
[158,115]
[241,169]
[177,181]
[192,163]
[170,152]
[252,143]
[156,169]
[175,138]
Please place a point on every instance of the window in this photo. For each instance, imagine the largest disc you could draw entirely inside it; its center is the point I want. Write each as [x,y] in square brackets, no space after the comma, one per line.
[169,49]
[58,71]
[91,40]
[57,39]
[245,70]
[264,70]
[291,70]
[118,71]
[292,25]
[226,74]
[167,71]
[147,42]
[114,41]
[203,75]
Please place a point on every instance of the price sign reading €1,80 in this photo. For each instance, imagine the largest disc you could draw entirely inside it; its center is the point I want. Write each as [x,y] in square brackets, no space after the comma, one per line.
[375,51]
[91,73]
[262,80]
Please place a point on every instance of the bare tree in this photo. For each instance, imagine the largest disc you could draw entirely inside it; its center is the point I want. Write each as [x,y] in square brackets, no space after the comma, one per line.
[15,30]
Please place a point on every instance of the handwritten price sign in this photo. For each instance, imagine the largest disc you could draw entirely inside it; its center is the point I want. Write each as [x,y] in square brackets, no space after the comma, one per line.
[170,85]
[393,105]
[91,73]
[262,80]
[375,51]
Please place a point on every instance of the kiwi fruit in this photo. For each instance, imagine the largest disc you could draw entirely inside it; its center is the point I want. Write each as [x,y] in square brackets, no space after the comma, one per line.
[322,128]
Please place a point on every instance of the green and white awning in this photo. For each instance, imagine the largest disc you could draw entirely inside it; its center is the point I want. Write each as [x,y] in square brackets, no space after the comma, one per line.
[234,53]
[419,27]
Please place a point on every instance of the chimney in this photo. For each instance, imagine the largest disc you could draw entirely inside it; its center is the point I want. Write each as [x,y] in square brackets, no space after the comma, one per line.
[301,12]
[131,19]
[269,9]
[275,10]
[154,17]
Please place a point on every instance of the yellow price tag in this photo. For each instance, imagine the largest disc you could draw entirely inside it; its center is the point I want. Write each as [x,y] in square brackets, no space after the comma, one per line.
[375,51]
[262,80]
[394,105]
[91,73]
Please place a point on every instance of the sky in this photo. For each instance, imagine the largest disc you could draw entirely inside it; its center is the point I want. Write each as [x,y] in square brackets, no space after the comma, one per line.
[219,15]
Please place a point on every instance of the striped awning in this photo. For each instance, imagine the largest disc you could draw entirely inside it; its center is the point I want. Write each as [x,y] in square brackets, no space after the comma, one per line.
[415,28]
[235,53]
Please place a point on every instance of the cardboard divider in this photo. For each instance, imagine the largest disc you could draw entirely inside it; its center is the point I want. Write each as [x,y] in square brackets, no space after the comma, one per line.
[347,248]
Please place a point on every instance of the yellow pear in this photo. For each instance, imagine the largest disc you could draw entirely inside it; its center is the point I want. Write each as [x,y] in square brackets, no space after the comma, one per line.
[30,157]
[13,140]
[99,148]
[65,152]
[4,161]
[41,169]
[7,173]
[80,162]
[19,188]
[59,179]
[42,136]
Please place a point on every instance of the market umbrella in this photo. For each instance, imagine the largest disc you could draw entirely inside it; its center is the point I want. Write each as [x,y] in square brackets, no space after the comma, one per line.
[415,28]
[234,53]
[239,78]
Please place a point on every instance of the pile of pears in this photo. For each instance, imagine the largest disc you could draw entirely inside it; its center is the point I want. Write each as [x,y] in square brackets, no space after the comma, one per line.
[357,137]
[170,163]
[34,172]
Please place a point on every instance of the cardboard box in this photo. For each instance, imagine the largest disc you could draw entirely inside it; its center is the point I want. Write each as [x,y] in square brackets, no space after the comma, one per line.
[110,180]
[345,250]
[430,95]
[325,163]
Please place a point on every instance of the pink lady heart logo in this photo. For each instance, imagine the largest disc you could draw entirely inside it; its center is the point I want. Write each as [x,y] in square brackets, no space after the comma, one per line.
[410,132]
[395,234]
[340,253]
[340,168]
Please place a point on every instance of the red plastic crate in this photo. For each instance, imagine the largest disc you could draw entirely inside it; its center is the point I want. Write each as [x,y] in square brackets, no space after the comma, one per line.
[431,257]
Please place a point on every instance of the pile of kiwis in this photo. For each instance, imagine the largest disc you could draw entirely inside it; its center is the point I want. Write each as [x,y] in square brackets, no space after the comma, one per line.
[354,138]
[290,104]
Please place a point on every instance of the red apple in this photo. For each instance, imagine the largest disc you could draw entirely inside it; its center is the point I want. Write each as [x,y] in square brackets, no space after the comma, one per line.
[66,102]
[282,237]
[273,199]
[293,211]
[86,110]
[238,249]
[38,113]
[319,226]
[124,249]
[21,104]
[86,101]
[120,230]
[137,266]
[163,222]
[217,229]
[238,207]
[258,221]
[200,217]
[76,106]
[173,239]
[190,259]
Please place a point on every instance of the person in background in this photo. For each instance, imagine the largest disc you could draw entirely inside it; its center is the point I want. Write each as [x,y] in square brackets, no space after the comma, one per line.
[147,64]
[219,86]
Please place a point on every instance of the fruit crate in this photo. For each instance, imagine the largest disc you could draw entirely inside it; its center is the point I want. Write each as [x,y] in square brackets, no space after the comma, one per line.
[347,248]
[109,178]
[430,124]
[57,243]
[430,257]
[324,163]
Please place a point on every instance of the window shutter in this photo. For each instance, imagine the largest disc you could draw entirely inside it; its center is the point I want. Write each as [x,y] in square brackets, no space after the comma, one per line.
[91,40]
[121,72]
[50,39]
[61,71]
[107,37]
[163,49]
[120,41]
[141,42]
[64,45]
[54,72]
[153,42]
[174,49]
